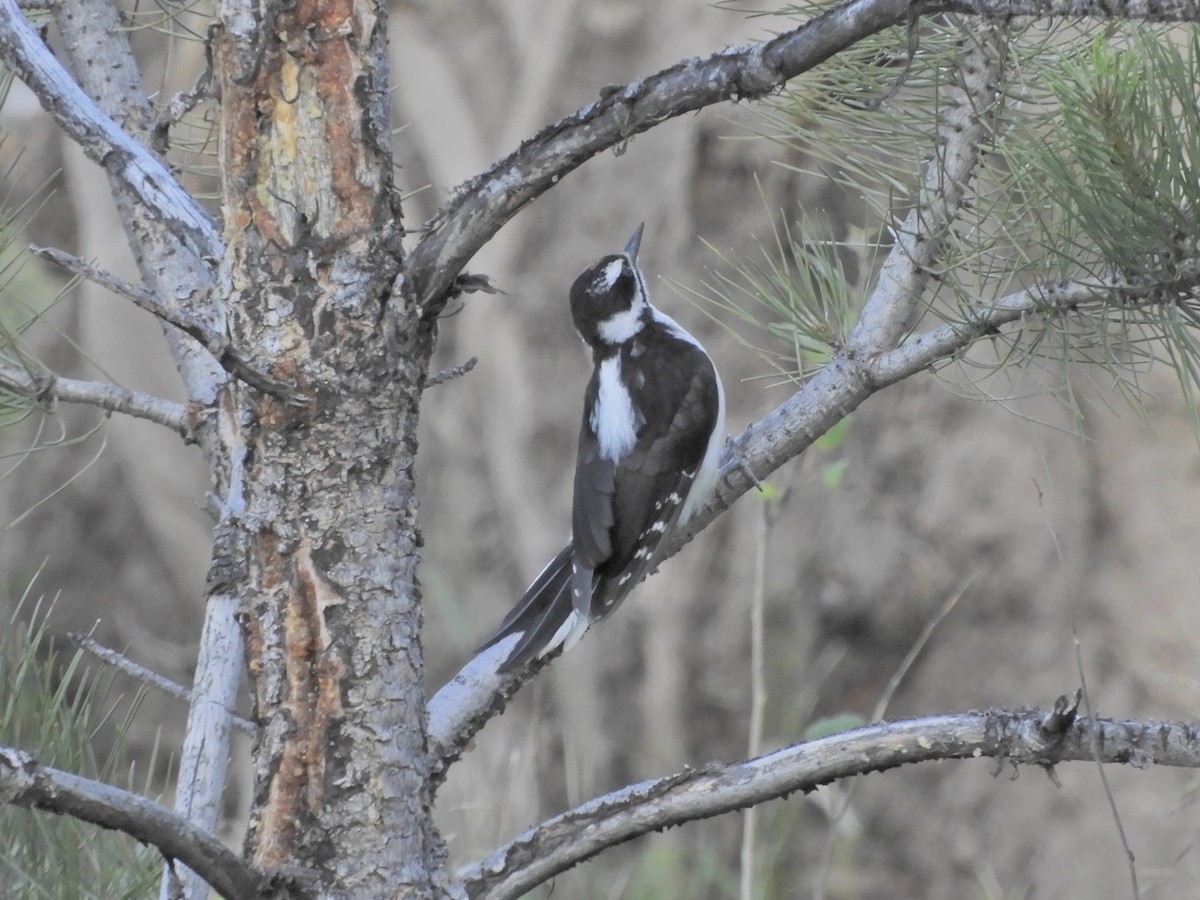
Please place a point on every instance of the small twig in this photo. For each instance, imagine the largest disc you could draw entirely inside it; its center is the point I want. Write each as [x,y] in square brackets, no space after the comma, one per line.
[450,374]
[47,390]
[219,346]
[184,102]
[1098,757]
[26,783]
[149,676]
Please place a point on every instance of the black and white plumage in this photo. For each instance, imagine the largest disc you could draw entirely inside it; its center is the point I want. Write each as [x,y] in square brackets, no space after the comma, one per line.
[653,424]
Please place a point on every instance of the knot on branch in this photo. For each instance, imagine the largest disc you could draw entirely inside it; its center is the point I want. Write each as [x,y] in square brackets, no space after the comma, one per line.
[16,774]
[45,390]
[1055,725]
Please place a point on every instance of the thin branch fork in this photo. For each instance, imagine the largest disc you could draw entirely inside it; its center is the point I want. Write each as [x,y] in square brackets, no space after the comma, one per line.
[1027,737]
[47,390]
[134,670]
[25,782]
[219,346]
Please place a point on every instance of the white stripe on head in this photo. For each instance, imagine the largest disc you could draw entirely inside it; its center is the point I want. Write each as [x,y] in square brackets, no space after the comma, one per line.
[620,327]
[612,272]
[613,418]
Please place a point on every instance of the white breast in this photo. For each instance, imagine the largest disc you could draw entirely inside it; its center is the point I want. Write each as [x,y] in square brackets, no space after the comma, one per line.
[614,419]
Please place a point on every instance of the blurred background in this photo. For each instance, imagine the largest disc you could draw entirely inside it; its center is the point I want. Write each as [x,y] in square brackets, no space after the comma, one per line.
[1044,520]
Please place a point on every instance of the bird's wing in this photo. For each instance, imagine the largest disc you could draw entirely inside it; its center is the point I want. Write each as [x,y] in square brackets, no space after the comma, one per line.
[652,481]
[592,516]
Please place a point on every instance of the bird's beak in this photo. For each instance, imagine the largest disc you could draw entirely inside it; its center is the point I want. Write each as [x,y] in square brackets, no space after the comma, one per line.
[631,249]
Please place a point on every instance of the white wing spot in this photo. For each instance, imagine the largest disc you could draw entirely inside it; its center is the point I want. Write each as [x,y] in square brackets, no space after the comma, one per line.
[674,498]
[660,526]
[624,578]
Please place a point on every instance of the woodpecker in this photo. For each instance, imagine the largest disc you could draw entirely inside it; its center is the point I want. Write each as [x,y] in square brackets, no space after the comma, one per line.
[653,425]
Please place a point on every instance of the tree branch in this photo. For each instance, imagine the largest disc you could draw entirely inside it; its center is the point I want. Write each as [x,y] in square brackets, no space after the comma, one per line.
[100,138]
[481,206]
[46,390]
[24,782]
[1026,737]
[219,346]
[963,125]
[149,676]
[476,693]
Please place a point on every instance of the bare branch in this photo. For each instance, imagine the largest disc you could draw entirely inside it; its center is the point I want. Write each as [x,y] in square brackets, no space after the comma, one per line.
[463,706]
[946,340]
[1028,737]
[24,782]
[481,206]
[205,758]
[46,390]
[219,346]
[1138,10]
[963,126]
[101,139]
[149,676]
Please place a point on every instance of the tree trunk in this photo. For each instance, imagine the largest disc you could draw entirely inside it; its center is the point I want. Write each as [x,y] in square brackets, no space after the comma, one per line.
[329,526]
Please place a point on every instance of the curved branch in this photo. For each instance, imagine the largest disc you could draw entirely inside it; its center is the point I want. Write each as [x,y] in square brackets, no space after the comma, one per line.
[50,389]
[100,138]
[484,204]
[24,782]
[1029,737]
[481,206]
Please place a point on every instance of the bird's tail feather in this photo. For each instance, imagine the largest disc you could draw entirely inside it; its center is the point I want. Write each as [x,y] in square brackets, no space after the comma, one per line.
[544,618]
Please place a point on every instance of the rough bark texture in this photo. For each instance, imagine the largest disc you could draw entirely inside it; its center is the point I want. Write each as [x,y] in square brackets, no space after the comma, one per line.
[333,613]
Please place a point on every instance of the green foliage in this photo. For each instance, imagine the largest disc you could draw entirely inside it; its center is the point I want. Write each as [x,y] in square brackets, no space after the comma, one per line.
[1108,170]
[1090,172]
[53,707]
[794,288]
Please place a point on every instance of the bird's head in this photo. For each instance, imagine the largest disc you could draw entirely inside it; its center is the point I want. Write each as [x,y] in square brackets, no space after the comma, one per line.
[608,301]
